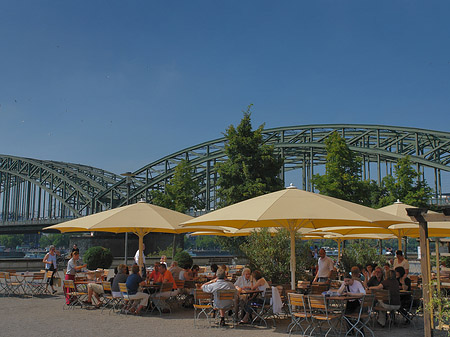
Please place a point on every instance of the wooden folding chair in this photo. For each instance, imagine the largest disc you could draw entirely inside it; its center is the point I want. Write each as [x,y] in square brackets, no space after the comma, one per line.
[125,297]
[385,296]
[227,295]
[321,315]
[14,287]
[108,298]
[37,284]
[299,312]
[202,306]
[160,299]
[358,321]
[76,297]
[263,311]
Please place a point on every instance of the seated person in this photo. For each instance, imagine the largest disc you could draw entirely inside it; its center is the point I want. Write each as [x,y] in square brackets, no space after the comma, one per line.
[186,273]
[224,267]
[96,290]
[121,277]
[259,284]
[376,279]
[166,277]
[155,275]
[213,286]
[133,282]
[356,274]
[386,268]
[195,269]
[175,270]
[390,284]
[368,271]
[214,267]
[243,282]
[354,287]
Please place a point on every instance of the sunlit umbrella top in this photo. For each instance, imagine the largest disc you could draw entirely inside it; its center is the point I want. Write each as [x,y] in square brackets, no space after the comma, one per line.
[292,208]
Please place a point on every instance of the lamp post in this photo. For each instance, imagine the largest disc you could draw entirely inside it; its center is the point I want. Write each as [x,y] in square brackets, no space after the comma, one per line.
[128,176]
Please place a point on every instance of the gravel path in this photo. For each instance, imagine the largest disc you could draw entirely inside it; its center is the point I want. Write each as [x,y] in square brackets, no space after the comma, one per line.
[45,316]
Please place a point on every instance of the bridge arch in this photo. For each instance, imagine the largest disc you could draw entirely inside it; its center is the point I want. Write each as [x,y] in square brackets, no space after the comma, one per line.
[33,190]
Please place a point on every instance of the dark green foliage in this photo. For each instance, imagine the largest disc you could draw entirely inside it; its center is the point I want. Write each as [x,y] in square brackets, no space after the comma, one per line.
[361,252]
[58,240]
[184,259]
[342,178]
[405,186]
[251,168]
[98,257]
[181,192]
[271,255]
[11,240]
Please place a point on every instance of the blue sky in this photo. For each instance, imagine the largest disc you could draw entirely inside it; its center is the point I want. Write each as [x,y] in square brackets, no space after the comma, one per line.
[119,84]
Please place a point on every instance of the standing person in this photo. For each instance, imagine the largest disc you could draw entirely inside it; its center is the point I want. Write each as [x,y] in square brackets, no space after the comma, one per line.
[50,265]
[73,267]
[325,267]
[400,261]
[136,260]
[75,248]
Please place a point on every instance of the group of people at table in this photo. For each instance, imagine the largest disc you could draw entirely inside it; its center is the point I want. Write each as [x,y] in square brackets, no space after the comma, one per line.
[141,285]
[392,277]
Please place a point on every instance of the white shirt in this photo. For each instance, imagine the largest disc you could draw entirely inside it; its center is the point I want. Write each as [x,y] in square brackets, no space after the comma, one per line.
[355,288]
[404,264]
[242,282]
[136,257]
[326,265]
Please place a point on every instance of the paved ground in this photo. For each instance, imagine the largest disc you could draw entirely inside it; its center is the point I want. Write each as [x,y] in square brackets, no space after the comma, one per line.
[46,317]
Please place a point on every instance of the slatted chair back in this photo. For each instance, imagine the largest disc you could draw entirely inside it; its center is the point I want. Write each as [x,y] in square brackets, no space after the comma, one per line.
[124,290]
[319,288]
[180,284]
[223,294]
[167,286]
[382,295]
[106,286]
[297,300]
[69,285]
[38,277]
[202,306]
[189,284]
[317,303]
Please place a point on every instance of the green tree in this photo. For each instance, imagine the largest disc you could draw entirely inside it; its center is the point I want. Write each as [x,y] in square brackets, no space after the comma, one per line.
[342,178]
[11,240]
[98,257]
[251,168]
[361,252]
[271,255]
[181,192]
[405,186]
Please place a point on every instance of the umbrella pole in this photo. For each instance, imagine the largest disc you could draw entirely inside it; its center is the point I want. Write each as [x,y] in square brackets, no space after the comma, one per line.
[141,248]
[292,232]
[339,250]
[399,243]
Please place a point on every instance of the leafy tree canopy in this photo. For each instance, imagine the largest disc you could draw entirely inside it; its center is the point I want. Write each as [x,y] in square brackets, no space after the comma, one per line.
[251,168]
[342,178]
[181,192]
[405,186]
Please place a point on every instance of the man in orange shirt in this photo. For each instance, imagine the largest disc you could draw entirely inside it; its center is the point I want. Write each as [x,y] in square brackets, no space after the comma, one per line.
[166,277]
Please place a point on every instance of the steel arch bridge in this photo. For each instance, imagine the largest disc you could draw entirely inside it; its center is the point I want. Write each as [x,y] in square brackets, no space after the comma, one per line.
[35,192]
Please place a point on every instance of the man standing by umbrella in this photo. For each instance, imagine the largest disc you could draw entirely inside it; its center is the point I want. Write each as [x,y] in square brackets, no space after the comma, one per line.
[325,267]
[136,261]
[400,261]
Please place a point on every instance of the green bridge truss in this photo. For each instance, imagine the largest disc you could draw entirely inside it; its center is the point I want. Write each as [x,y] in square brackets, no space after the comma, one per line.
[35,193]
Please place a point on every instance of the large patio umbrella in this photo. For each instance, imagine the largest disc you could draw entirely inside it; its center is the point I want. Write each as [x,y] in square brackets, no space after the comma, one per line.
[294,209]
[140,218]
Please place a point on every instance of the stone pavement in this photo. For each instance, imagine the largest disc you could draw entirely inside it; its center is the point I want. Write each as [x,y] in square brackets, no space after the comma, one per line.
[45,316]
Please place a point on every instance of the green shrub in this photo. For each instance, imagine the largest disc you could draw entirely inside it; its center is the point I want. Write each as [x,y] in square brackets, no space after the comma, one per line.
[271,255]
[98,257]
[184,259]
[360,253]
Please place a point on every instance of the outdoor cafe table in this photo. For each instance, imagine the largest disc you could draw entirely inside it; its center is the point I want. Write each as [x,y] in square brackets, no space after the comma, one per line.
[23,278]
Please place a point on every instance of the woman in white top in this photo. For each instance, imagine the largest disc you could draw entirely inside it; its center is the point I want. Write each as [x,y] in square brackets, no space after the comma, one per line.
[261,285]
[50,265]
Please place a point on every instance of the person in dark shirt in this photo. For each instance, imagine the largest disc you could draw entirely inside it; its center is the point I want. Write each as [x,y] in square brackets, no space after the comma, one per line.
[75,248]
[404,283]
[121,277]
[376,279]
[133,282]
[390,284]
